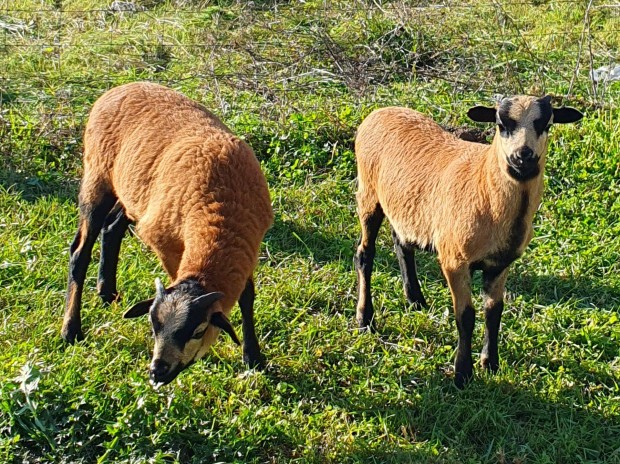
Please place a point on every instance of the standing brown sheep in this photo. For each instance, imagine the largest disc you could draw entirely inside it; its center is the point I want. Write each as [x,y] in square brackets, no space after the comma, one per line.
[471,203]
[199,200]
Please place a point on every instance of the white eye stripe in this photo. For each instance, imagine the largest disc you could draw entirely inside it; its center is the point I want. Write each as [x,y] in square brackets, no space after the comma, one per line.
[200,330]
[198,335]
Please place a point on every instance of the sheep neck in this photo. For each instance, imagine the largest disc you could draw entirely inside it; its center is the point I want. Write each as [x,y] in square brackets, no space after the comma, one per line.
[504,193]
[219,262]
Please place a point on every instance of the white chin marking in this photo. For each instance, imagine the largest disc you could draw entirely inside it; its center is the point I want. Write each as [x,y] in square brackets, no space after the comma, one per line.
[156,385]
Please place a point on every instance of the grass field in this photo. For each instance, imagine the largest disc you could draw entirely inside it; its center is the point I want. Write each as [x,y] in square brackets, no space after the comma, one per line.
[295,79]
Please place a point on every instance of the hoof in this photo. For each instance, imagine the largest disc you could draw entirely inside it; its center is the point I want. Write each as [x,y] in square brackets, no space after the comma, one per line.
[107,293]
[254,362]
[366,325]
[71,334]
[109,298]
[488,364]
[370,328]
[463,371]
[461,380]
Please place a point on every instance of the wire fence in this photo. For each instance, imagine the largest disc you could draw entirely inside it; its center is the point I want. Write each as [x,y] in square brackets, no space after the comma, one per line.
[269,57]
[128,36]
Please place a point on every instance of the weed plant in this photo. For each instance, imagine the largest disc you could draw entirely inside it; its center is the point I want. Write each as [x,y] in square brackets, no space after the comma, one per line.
[295,79]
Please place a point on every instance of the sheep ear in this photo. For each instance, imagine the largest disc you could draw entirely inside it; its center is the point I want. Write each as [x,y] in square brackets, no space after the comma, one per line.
[482,114]
[545,99]
[219,320]
[565,115]
[139,309]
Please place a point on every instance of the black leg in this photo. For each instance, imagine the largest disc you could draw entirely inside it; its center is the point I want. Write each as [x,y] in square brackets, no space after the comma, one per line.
[459,280]
[493,286]
[363,260]
[463,364]
[251,349]
[92,218]
[114,228]
[406,260]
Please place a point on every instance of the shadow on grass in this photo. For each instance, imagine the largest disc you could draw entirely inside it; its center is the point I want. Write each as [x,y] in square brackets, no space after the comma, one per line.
[100,428]
[490,421]
[324,248]
[291,238]
[426,419]
[586,292]
[31,187]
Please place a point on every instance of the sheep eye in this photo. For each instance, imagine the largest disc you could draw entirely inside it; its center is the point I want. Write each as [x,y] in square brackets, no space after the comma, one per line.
[198,335]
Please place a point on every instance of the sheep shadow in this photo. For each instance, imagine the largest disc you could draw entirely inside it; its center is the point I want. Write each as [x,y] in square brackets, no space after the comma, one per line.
[32,187]
[291,238]
[498,421]
[422,418]
[584,292]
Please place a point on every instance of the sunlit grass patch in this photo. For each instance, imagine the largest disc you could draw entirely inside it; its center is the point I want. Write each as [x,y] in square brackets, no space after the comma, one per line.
[295,80]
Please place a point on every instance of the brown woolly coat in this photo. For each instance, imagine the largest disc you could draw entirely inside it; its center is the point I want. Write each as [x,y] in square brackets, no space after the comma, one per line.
[442,192]
[194,189]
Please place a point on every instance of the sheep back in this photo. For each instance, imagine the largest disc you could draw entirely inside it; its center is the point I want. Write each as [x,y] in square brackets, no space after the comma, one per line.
[194,189]
[432,186]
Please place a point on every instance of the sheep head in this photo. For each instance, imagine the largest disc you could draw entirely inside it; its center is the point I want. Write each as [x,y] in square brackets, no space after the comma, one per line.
[523,124]
[185,320]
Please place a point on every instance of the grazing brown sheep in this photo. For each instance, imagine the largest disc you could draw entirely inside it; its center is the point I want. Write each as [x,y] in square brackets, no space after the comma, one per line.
[199,200]
[471,203]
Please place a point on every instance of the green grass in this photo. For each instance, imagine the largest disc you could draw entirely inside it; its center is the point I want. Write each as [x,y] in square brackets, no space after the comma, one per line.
[295,79]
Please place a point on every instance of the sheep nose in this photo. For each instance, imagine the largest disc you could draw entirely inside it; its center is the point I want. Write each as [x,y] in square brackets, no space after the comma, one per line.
[525,154]
[159,369]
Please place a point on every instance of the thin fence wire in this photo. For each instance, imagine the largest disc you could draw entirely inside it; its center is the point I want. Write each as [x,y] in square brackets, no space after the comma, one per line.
[56,55]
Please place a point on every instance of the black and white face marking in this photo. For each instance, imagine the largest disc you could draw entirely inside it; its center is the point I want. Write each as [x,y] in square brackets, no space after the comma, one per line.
[505,123]
[184,319]
[542,124]
[523,124]
[179,320]
[524,139]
